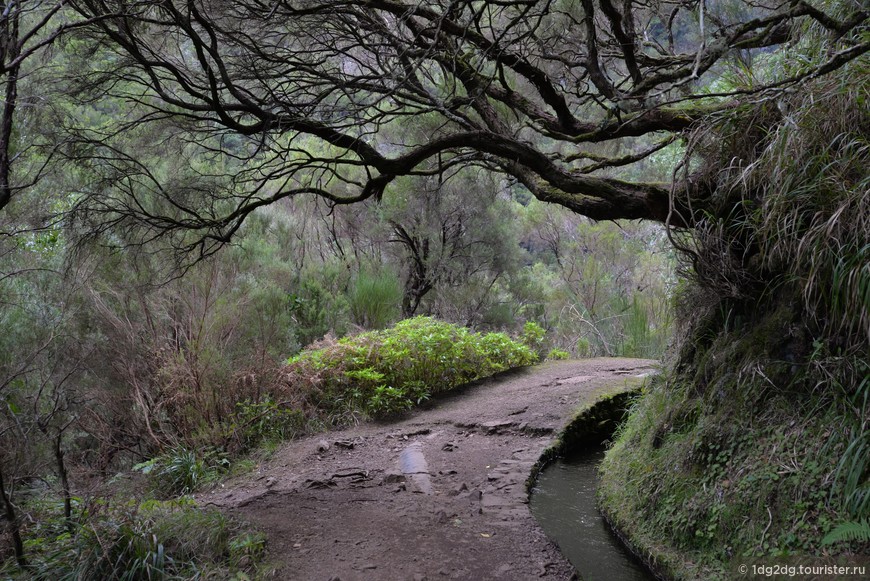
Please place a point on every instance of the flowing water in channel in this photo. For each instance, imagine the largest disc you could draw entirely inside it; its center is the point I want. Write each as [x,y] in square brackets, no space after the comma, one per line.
[563,502]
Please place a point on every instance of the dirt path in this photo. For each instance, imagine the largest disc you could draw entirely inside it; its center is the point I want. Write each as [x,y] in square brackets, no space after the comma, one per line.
[438,495]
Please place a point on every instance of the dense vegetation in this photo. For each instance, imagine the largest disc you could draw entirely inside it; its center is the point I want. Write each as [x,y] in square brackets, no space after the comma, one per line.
[192,193]
[384,372]
[373,374]
[109,363]
[764,410]
[147,540]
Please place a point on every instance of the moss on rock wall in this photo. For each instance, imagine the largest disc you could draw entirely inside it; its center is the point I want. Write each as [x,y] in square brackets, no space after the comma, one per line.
[590,426]
[732,456]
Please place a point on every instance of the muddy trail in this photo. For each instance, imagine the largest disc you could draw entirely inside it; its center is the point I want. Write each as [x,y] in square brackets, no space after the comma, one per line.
[437,495]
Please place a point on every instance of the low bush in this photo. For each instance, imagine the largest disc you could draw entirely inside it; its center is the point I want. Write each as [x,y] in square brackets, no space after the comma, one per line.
[558,355]
[264,422]
[534,337]
[384,372]
[182,470]
[149,540]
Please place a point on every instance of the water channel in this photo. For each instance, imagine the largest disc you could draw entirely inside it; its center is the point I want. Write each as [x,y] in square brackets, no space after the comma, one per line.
[563,502]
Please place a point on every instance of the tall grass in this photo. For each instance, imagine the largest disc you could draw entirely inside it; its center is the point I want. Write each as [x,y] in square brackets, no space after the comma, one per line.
[853,471]
[375,298]
[154,540]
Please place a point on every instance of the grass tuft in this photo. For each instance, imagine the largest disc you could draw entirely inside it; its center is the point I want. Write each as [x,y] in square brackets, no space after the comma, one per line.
[151,540]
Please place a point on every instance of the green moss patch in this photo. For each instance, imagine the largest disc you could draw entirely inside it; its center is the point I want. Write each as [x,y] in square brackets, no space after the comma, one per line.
[737,454]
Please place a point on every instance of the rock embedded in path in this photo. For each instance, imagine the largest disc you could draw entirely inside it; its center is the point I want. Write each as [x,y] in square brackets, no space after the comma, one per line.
[458,490]
[393,478]
[322,446]
[414,466]
[319,483]
[506,568]
[496,426]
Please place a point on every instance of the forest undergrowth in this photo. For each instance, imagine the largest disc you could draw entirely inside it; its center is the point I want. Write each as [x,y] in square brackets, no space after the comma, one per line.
[114,534]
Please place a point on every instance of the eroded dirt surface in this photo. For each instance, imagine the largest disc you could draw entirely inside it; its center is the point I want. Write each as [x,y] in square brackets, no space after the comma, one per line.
[437,495]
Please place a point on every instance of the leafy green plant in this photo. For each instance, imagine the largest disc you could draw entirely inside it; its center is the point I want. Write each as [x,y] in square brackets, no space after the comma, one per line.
[264,421]
[168,540]
[246,547]
[384,372]
[849,532]
[181,470]
[558,354]
[533,337]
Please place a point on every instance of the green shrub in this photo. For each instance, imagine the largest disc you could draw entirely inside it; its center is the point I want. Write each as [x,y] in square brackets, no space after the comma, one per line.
[533,337]
[319,305]
[558,355]
[247,547]
[152,540]
[637,336]
[384,372]
[375,299]
[583,347]
[264,421]
[181,470]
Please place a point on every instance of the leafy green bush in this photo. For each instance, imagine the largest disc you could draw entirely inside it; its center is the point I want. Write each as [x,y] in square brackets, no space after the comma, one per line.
[383,372]
[319,305]
[558,355]
[533,337]
[265,421]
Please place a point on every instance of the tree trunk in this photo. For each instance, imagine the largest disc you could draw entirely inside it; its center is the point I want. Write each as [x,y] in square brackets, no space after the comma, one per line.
[64,481]
[12,520]
[10,50]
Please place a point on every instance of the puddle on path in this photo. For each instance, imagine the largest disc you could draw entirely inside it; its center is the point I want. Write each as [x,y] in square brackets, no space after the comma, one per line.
[413,465]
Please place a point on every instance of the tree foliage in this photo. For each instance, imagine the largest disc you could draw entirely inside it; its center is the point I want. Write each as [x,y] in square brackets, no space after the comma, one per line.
[339,98]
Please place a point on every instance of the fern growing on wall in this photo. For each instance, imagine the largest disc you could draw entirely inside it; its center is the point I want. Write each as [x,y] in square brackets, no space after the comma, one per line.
[858,531]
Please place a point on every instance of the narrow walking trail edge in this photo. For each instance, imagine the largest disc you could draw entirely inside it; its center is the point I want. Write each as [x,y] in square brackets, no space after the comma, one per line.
[439,494]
